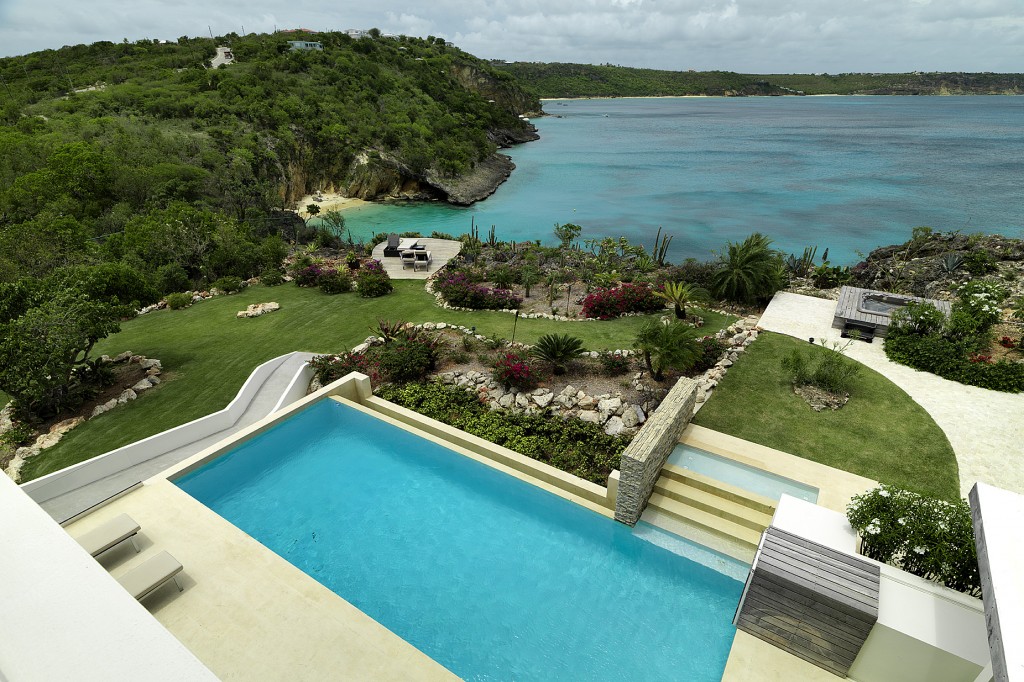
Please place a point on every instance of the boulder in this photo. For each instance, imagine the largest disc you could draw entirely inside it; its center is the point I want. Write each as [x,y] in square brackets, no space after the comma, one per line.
[614,426]
[609,406]
[506,400]
[142,385]
[522,401]
[544,399]
[629,417]
[257,309]
[587,402]
[150,363]
[122,357]
[591,416]
[126,395]
[568,391]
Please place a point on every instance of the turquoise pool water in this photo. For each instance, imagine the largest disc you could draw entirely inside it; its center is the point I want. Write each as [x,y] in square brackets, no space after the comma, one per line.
[740,475]
[492,577]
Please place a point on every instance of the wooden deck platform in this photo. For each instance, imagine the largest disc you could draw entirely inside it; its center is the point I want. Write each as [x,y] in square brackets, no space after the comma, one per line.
[441,251]
[810,600]
[850,309]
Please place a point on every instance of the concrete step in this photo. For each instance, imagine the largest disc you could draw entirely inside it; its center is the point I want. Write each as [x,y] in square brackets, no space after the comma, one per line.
[718,488]
[742,534]
[736,511]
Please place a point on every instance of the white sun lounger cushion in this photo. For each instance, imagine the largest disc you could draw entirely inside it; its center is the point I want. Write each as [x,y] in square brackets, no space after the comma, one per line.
[150,574]
[113,532]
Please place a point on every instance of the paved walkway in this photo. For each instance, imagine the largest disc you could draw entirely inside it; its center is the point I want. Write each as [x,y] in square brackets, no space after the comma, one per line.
[75,501]
[441,250]
[985,428]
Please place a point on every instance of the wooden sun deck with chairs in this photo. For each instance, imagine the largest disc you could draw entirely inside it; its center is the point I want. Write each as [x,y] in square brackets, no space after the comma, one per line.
[441,251]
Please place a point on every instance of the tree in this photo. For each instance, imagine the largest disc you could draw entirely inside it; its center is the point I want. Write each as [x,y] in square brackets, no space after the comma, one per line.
[682,294]
[44,353]
[566,233]
[748,271]
[312,210]
[332,221]
[667,345]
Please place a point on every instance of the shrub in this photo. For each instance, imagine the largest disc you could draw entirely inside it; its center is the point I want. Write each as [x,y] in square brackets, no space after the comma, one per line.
[405,359]
[557,349]
[373,282]
[172,277]
[979,263]
[667,346]
[680,295]
[179,301]
[922,535]
[698,273]
[711,350]
[571,445]
[309,275]
[328,368]
[827,368]
[604,304]
[272,278]
[459,290]
[749,271]
[228,285]
[614,363]
[918,318]
[335,282]
[951,360]
[513,369]
[980,301]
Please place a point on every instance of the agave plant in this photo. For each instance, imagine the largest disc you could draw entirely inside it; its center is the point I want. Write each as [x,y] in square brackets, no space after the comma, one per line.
[682,294]
[557,349]
[668,345]
[950,263]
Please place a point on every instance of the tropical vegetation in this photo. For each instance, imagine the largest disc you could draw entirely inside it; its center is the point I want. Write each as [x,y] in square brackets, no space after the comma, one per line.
[923,535]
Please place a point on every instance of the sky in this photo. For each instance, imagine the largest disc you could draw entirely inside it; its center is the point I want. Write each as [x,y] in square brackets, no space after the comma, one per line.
[748,36]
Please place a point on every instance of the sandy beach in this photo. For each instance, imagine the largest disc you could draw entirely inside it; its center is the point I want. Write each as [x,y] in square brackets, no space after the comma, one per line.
[331,201]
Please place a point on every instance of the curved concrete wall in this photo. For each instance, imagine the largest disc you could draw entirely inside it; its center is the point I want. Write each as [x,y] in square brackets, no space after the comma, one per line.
[91,470]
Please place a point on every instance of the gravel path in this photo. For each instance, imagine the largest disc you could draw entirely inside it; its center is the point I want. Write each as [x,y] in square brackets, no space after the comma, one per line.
[985,428]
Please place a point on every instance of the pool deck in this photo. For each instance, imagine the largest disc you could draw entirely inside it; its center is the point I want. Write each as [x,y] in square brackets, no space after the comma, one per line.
[441,251]
[245,612]
[984,427]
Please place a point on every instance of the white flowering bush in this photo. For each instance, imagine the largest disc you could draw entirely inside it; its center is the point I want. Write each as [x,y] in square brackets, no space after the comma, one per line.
[922,535]
[981,301]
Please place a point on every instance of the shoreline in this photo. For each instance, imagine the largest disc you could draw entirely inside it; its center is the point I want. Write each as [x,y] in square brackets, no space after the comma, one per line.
[332,201]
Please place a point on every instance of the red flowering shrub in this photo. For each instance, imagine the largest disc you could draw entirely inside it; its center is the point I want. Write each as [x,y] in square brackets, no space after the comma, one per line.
[1007,342]
[513,369]
[980,357]
[605,304]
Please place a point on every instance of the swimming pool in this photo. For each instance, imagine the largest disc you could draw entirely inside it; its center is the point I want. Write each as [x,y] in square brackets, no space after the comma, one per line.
[490,576]
[764,483]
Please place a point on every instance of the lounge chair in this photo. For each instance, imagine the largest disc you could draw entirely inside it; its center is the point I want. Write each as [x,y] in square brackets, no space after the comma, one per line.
[423,258]
[145,578]
[408,258]
[391,250]
[113,532]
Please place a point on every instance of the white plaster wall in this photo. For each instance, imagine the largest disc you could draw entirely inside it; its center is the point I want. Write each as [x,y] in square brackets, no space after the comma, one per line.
[925,632]
[63,617]
[59,482]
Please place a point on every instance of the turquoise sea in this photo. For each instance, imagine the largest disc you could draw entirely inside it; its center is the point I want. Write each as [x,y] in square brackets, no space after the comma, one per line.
[844,173]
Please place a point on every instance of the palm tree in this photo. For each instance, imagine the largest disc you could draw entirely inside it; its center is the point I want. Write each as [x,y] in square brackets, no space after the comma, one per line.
[667,345]
[748,270]
[558,350]
[682,294]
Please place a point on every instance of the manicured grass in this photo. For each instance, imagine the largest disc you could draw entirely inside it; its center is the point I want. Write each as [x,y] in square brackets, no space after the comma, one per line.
[207,353]
[881,433]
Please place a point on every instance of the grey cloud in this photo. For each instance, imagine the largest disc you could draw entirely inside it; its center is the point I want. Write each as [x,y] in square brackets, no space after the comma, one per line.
[739,35]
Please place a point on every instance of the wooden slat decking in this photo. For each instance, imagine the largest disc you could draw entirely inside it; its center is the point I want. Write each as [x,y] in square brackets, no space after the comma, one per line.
[810,600]
[441,251]
[848,309]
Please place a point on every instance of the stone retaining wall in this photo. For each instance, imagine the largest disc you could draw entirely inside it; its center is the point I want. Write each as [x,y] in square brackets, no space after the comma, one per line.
[643,459]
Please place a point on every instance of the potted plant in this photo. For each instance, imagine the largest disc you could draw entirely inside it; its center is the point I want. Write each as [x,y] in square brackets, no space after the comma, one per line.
[352,260]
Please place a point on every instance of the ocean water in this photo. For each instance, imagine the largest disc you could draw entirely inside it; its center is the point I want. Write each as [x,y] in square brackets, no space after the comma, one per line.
[844,173]
[492,577]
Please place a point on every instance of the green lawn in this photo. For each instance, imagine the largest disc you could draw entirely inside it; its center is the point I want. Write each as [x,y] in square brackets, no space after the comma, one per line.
[207,353]
[880,433]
